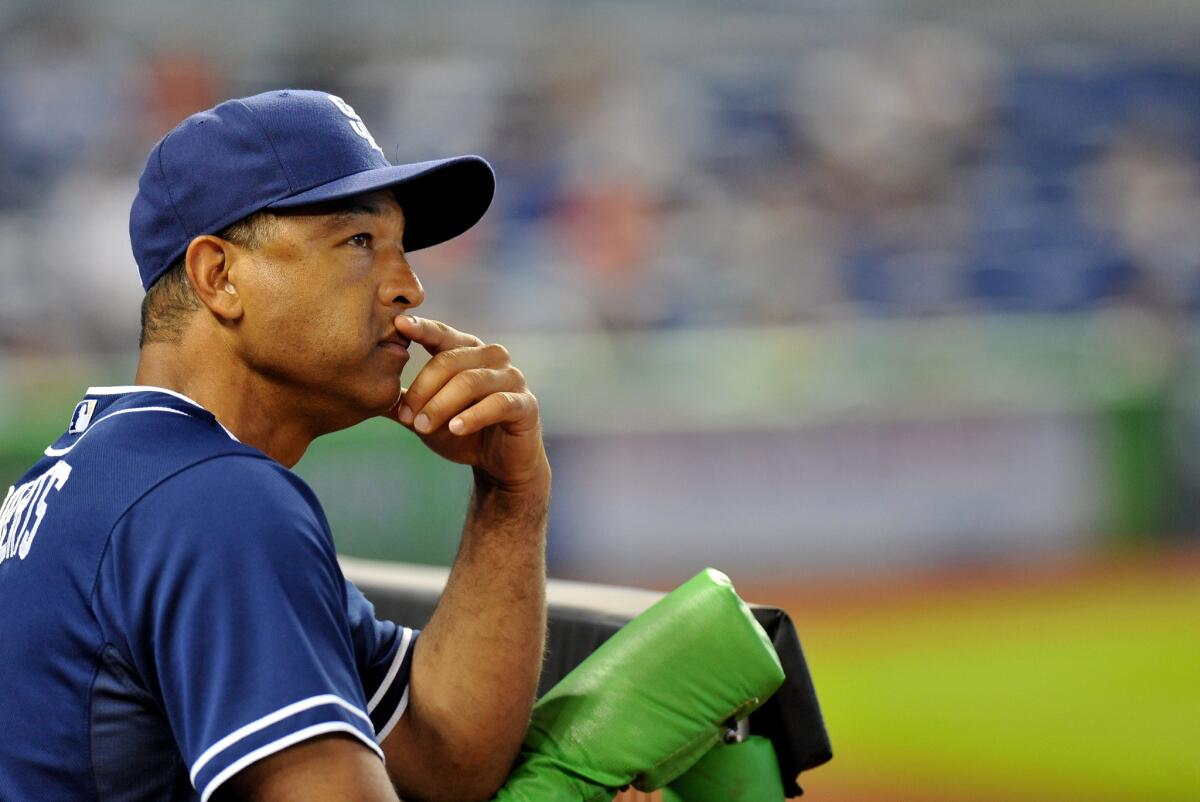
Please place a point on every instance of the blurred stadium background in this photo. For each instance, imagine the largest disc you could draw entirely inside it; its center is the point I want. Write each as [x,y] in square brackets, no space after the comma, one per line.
[887,308]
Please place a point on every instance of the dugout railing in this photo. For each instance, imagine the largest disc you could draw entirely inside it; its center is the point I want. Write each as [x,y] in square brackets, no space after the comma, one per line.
[584,615]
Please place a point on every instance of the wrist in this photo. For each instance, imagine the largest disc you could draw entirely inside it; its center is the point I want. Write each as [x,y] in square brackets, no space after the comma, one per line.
[533,487]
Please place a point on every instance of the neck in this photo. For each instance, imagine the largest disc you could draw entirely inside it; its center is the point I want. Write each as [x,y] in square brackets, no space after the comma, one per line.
[258,412]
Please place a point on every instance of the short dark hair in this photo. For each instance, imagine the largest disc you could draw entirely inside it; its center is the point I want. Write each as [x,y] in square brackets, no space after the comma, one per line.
[171,300]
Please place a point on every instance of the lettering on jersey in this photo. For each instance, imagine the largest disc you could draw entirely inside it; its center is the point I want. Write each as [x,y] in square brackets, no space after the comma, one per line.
[82,416]
[356,122]
[23,510]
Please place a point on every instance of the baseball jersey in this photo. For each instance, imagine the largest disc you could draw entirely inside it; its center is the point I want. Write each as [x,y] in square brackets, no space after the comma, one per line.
[173,611]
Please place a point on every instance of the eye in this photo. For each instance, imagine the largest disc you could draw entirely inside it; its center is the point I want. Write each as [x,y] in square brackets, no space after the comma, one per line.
[362,240]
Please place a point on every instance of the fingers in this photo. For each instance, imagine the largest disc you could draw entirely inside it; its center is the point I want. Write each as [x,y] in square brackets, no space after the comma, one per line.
[441,391]
[433,334]
[466,385]
[444,366]
[496,408]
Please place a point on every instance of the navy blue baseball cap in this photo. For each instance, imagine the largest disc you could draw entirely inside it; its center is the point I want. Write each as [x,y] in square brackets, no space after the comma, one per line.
[280,150]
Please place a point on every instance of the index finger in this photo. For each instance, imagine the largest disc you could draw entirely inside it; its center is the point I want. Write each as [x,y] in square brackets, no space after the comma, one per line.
[435,335]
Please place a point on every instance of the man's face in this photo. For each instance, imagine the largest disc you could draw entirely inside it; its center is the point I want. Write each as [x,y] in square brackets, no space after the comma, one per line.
[319,297]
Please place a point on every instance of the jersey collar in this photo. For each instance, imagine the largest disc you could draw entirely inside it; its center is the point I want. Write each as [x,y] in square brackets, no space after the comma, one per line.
[138,388]
[120,390]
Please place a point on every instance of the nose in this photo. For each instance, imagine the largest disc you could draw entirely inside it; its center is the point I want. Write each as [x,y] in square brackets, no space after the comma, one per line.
[400,287]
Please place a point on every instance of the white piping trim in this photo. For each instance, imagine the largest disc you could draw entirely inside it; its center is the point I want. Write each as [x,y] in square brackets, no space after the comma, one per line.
[232,436]
[400,708]
[279,745]
[139,388]
[268,720]
[150,388]
[393,669]
[51,451]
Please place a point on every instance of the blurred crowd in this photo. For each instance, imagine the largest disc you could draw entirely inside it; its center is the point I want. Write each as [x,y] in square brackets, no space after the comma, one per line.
[915,170]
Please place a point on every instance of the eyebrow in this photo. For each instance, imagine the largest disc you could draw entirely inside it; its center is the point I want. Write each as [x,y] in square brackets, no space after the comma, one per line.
[344,215]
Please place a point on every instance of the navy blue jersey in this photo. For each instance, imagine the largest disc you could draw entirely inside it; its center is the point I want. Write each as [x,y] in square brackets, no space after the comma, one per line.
[174,611]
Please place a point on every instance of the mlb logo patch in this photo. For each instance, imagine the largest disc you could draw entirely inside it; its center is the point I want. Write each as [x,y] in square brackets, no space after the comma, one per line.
[82,416]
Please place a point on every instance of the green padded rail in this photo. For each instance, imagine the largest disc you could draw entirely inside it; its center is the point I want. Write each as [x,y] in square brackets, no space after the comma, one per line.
[651,701]
[740,772]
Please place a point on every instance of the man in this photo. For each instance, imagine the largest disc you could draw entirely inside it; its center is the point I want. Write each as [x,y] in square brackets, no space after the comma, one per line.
[176,624]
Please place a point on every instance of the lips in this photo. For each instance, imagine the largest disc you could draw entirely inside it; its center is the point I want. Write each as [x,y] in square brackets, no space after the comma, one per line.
[394,342]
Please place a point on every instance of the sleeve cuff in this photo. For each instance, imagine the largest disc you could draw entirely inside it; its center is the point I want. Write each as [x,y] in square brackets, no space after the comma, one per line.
[390,699]
[299,721]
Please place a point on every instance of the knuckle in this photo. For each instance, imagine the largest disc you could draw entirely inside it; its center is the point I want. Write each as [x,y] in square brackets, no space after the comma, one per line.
[516,375]
[474,379]
[497,352]
[516,401]
[447,361]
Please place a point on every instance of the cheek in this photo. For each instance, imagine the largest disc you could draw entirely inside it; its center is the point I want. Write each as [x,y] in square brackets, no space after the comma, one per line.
[285,321]
[318,334]
[300,321]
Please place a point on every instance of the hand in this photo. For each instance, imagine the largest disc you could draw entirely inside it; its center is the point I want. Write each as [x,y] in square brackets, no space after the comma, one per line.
[470,405]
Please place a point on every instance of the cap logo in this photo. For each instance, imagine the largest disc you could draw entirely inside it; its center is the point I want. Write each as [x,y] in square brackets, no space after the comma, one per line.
[356,122]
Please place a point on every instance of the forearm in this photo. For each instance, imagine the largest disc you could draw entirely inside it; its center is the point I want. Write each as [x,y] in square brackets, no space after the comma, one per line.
[477,662]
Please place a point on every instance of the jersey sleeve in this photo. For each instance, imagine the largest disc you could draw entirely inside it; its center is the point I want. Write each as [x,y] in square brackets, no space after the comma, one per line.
[225,590]
[384,653]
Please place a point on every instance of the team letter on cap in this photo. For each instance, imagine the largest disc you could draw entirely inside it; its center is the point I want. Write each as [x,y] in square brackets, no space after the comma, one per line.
[356,122]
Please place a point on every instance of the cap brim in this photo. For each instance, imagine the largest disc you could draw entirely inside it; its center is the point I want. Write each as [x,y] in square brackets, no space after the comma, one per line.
[441,199]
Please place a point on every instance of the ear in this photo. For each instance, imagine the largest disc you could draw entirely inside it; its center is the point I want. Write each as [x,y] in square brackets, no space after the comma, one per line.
[209,262]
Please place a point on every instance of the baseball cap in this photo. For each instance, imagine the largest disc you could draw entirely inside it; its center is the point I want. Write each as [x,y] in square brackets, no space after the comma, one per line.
[280,150]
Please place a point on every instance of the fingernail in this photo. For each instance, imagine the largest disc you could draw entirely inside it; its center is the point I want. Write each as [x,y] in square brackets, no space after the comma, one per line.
[422,423]
[405,415]
[457,425]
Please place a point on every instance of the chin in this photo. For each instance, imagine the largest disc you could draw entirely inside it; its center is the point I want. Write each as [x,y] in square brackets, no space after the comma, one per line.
[355,394]
[382,397]
[353,409]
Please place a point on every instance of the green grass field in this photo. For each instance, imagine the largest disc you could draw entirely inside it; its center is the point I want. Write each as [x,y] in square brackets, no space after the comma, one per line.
[1079,684]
